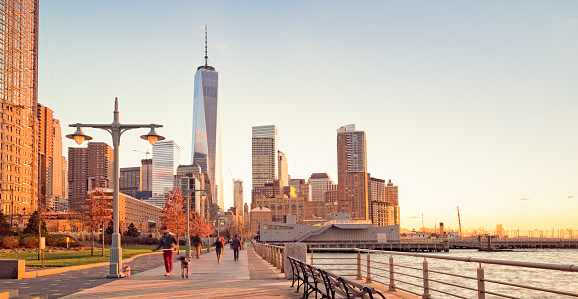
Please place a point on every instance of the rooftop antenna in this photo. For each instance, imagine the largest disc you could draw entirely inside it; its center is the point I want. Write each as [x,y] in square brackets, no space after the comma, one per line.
[206,55]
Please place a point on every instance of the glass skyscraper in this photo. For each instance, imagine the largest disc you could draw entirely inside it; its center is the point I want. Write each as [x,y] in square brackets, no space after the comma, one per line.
[206,149]
[166,159]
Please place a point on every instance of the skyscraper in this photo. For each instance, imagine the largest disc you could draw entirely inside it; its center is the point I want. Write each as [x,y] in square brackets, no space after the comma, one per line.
[352,171]
[207,127]
[49,141]
[88,167]
[166,159]
[238,196]
[19,95]
[265,166]
[283,170]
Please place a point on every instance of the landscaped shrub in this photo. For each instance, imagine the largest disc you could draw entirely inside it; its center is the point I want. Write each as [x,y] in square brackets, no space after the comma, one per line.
[9,242]
[55,240]
[29,242]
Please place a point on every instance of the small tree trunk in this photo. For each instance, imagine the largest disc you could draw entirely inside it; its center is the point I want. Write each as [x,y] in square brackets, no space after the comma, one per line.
[103,238]
[92,248]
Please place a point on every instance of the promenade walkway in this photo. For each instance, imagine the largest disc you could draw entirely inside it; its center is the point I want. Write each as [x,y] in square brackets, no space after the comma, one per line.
[249,277]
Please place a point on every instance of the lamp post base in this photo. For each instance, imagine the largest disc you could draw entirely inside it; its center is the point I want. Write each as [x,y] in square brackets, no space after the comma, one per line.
[115,258]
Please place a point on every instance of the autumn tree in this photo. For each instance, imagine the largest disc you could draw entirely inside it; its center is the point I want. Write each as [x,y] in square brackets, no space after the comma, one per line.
[200,225]
[97,210]
[174,216]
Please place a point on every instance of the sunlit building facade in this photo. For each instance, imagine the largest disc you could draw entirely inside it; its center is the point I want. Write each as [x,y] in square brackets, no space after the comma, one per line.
[265,163]
[19,96]
[320,183]
[352,171]
[166,159]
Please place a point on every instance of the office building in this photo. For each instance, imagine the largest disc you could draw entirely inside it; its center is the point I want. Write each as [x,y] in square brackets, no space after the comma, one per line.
[320,183]
[166,159]
[238,196]
[88,167]
[49,144]
[130,180]
[265,163]
[188,178]
[352,171]
[283,169]
[19,90]
[301,187]
[147,175]
[207,127]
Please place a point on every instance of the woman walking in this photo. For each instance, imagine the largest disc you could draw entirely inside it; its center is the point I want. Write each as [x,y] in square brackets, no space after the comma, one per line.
[166,242]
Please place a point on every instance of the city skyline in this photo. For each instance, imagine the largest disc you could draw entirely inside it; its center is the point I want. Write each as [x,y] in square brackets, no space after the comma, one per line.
[463,104]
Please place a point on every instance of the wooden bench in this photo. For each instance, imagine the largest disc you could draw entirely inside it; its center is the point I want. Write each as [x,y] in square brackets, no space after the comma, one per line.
[327,284]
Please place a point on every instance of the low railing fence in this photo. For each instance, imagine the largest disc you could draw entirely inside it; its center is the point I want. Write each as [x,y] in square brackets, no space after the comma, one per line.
[430,275]
[271,253]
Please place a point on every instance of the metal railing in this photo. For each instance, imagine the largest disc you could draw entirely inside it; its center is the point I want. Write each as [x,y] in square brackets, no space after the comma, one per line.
[417,279]
[271,253]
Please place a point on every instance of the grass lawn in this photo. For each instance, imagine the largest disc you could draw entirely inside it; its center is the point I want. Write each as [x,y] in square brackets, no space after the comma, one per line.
[73,258]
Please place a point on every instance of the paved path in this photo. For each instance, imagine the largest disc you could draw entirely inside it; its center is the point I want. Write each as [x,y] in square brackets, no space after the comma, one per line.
[249,277]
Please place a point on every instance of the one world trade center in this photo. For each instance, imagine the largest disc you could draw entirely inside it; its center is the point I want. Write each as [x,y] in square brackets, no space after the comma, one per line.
[206,150]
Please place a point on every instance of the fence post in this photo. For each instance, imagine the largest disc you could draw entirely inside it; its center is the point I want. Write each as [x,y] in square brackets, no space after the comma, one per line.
[391,274]
[481,283]
[282,260]
[368,277]
[311,255]
[426,293]
[358,265]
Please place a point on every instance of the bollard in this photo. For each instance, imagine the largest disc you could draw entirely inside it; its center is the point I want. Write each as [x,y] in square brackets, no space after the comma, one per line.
[358,265]
[426,294]
[481,283]
[368,277]
[391,273]
[312,256]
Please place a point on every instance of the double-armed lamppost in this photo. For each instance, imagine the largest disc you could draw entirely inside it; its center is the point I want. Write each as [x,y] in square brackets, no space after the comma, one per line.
[115,129]
[188,239]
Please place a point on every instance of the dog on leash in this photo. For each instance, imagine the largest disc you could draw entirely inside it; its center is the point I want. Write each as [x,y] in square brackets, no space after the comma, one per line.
[185,263]
[126,271]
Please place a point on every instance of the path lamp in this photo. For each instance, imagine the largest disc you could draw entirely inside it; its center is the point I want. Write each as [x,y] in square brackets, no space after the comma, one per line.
[115,129]
[188,239]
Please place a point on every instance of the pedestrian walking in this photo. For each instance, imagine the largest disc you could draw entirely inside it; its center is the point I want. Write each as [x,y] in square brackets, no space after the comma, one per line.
[166,242]
[219,248]
[236,246]
[198,244]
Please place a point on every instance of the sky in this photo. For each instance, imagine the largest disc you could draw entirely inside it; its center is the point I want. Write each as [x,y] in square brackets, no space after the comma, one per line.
[469,104]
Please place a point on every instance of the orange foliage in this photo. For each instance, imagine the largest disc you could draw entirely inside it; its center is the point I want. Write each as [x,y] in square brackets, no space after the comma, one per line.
[174,216]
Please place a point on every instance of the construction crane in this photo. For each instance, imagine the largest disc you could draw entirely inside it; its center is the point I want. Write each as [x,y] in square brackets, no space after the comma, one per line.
[146,153]
[232,177]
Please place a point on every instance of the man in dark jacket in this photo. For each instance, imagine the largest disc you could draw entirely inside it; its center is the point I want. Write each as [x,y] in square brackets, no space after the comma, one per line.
[166,242]
[219,248]
[236,246]
[198,244]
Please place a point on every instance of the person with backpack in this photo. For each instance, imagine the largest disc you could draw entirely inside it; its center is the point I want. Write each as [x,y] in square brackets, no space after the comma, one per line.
[219,248]
[236,245]
[166,242]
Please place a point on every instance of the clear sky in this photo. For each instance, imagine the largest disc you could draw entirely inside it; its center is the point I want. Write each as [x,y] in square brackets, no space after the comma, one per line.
[470,104]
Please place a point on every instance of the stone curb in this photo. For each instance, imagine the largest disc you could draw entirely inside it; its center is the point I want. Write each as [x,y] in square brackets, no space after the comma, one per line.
[38,273]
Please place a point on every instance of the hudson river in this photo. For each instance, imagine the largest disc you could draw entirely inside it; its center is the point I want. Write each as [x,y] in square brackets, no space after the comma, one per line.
[548,279]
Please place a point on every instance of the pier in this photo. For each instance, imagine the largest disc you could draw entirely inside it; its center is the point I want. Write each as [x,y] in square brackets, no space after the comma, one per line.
[514,243]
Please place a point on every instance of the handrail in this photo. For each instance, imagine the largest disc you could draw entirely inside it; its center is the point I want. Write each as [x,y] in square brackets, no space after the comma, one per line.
[559,267]
[390,267]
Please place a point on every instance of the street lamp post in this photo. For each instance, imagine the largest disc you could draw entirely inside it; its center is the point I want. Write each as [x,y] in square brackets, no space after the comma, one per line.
[188,239]
[115,129]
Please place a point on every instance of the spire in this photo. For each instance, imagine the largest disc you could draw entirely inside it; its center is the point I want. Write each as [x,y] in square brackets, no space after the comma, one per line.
[206,66]
[206,55]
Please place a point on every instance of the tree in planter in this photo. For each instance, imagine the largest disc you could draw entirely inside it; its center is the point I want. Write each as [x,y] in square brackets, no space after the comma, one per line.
[4,226]
[33,224]
[132,231]
[174,216]
[97,210]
